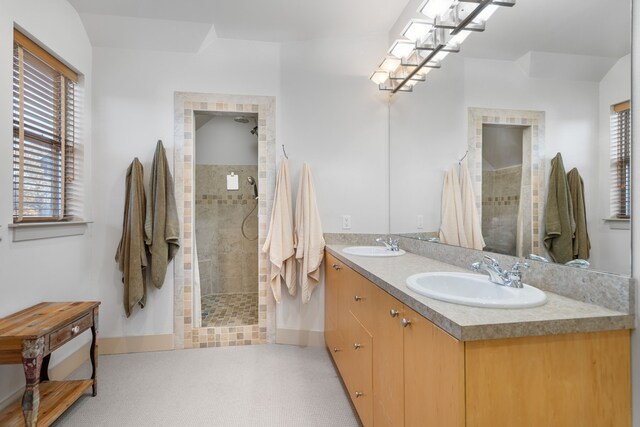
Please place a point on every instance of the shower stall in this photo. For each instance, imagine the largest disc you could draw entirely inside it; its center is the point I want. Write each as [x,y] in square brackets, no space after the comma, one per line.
[226,221]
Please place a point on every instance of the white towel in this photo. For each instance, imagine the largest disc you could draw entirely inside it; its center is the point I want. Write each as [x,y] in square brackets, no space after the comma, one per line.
[471,218]
[452,226]
[279,242]
[309,240]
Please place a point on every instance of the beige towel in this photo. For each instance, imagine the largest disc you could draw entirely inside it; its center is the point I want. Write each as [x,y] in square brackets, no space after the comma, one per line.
[131,255]
[452,223]
[308,237]
[470,216]
[162,228]
[279,243]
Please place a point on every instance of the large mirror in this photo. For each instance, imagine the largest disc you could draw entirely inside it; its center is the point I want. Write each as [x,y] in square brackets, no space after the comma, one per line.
[523,135]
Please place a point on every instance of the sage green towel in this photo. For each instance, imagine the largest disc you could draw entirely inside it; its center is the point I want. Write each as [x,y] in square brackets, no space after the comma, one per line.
[162,227]
[131,255]
[560,225]
[581,243]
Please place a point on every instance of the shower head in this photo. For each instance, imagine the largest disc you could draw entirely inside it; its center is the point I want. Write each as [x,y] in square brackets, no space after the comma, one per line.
[241,119]
[253,182]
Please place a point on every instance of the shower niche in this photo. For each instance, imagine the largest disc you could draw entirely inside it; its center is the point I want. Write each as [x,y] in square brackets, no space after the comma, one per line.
[226,219]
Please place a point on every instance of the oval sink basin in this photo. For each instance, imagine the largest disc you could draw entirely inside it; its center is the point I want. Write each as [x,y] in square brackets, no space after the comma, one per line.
[474,290]
[371,251]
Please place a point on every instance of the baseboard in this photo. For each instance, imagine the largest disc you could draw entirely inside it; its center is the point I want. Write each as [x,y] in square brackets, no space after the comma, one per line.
[140,344]
[300,337]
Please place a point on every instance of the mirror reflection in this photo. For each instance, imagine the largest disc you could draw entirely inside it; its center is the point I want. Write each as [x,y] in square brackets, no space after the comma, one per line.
[520,143]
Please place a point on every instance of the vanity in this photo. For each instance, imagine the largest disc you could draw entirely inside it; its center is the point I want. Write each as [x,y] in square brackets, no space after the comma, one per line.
[409,360]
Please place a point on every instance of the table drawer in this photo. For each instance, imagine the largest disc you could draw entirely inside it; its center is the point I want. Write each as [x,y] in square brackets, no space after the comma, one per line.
[69,331]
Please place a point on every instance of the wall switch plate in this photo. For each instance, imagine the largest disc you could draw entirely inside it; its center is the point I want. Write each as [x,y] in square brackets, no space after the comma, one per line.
[346,222]
[420,221]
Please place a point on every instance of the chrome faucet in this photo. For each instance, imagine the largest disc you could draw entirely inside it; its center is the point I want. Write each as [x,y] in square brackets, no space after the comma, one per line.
[390,244]
[511,278]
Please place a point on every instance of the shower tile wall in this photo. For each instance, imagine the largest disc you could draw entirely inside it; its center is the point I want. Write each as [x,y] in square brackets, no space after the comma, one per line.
[500,199]
[228,262]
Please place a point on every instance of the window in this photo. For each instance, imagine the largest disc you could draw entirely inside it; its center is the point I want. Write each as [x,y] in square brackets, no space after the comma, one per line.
[43,135]
[620,160]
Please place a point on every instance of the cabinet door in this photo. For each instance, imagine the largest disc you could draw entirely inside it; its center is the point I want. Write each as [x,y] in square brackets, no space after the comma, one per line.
[433,375]
[332,278]
[388,370]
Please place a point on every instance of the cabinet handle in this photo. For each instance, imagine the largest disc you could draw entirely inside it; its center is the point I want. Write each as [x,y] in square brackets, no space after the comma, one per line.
[357,298]
[336,349]
[405,322]
[358,394]
[336,266]
[75,329]
[393,313]
[356,346]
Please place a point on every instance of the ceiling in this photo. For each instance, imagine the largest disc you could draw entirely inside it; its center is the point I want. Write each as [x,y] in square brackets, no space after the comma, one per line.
[187,25]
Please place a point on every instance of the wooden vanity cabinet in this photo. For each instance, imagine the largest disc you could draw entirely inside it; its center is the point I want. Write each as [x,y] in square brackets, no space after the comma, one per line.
[400,369]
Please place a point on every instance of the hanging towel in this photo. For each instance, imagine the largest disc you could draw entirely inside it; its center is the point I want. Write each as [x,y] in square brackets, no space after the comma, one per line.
[452,226]
[581,243]
[560,225]
[279,242]
[131,255]
[161,227]
[308,238]
[471,218]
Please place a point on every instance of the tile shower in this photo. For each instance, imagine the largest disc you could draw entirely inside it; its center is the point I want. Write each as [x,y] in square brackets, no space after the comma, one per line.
[227,257]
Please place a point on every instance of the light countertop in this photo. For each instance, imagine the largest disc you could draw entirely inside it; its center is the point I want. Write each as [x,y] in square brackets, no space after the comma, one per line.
[558,316]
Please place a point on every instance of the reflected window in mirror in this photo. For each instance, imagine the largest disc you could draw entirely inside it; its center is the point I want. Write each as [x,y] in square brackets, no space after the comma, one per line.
[620,160]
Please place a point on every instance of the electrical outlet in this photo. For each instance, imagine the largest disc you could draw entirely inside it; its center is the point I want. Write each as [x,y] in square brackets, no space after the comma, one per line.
[420,222]
[346,222]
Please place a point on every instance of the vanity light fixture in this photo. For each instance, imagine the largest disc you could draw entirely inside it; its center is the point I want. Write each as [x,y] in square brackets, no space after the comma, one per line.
[426,42]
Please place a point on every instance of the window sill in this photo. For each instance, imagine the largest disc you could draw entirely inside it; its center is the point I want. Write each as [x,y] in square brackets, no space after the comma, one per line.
[47,230]
[618,223]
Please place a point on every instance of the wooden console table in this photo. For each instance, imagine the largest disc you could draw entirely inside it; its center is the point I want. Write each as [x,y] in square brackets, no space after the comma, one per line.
[28,337]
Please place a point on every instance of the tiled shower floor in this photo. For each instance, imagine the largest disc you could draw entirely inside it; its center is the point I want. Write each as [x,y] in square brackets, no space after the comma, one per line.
[230,309]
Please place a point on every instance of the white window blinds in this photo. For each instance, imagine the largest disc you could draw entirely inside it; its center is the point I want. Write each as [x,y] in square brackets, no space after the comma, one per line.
[43,134]
[620,160]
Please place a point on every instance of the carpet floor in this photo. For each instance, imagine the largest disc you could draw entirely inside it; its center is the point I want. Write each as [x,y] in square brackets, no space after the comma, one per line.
[259,385]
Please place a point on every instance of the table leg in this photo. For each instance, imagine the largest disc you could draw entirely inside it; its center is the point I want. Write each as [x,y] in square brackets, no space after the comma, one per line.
[32,352]
[93,352]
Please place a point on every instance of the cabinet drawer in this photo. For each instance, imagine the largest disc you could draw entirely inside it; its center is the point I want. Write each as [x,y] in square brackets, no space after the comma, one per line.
[361,300]
[67,332]
[357,375]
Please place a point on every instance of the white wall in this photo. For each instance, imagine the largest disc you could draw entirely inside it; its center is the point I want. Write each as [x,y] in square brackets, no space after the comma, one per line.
[613,251]
[223,141]
[55,269]
[133,107]
[335,120]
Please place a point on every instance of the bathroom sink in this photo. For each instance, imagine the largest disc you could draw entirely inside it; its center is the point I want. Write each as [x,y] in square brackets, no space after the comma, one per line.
[474,290]
[371,251]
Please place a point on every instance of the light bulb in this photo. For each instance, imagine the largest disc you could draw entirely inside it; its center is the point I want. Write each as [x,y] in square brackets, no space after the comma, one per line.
[435,8]
[417,30]
[401,48]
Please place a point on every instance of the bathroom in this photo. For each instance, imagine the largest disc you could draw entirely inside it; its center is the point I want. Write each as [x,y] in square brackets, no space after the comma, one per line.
[308,71]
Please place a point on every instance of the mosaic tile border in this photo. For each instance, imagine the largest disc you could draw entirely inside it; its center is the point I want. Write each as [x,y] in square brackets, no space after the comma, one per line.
[533,161]
[185,335]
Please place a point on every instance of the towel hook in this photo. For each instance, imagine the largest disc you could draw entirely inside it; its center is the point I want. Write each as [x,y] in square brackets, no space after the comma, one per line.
[284,152]
[463,157]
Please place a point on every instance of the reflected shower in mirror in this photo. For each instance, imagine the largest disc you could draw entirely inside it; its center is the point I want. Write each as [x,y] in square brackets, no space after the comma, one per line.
[514,97]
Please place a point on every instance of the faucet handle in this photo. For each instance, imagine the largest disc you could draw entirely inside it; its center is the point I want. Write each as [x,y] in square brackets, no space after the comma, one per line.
[518,266]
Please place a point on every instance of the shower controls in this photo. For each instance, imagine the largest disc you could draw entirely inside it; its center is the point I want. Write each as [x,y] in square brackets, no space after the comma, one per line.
[232,182]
